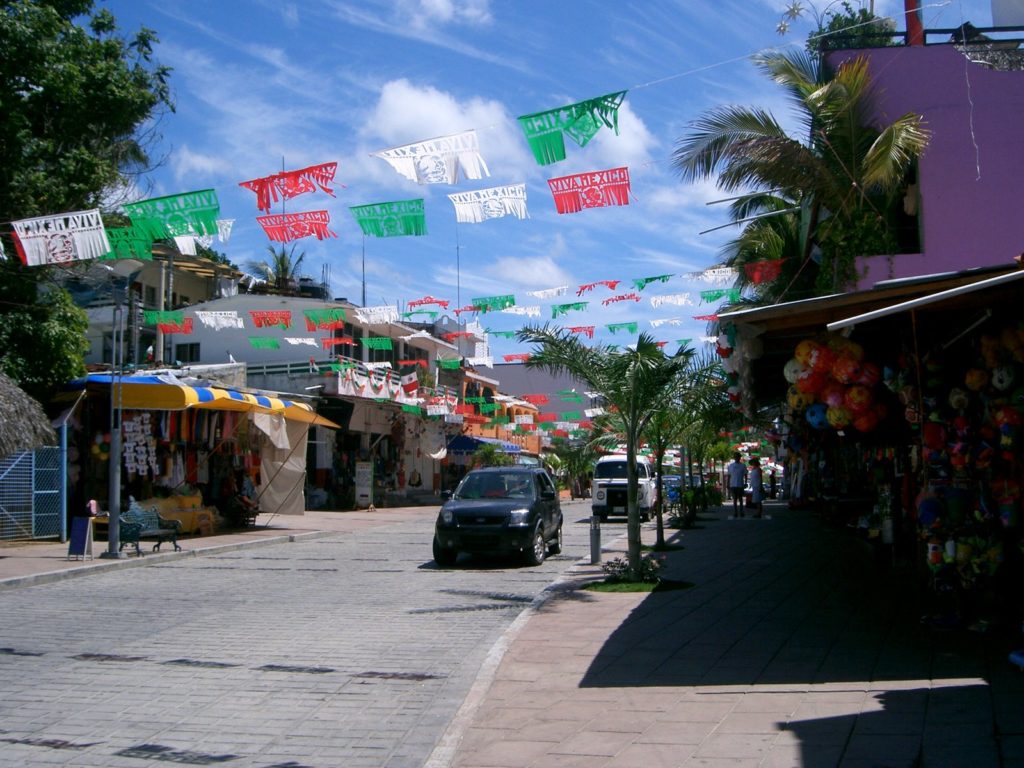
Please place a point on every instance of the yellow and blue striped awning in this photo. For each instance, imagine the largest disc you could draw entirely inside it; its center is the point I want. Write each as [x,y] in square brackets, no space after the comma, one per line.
[157,393]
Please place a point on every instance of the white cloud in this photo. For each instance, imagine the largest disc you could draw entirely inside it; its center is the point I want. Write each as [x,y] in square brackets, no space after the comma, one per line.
[406,113]
[189,166]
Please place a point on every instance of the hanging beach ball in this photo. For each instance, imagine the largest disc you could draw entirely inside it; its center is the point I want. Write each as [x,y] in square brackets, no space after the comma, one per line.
[846,370]
[817,415]
[792,369]
[866,421]
[858,399]
[832,394]
[821,360]
[798,400]
[838,417]
[804,349]
[810,382]
[976,379]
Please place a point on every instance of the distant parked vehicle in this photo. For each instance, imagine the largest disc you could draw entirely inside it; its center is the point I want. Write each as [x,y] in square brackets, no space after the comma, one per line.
[500,511]
[609,487]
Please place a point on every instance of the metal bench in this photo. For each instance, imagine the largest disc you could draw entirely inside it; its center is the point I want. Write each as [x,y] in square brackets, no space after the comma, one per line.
[139,523]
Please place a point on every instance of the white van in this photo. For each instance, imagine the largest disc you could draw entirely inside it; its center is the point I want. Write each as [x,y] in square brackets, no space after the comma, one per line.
[609,489]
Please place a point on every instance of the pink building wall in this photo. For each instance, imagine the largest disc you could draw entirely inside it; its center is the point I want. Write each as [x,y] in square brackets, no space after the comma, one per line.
[971,174]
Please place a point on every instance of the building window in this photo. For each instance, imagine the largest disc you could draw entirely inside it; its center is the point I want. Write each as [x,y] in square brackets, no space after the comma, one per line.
[187,353]
[150,296]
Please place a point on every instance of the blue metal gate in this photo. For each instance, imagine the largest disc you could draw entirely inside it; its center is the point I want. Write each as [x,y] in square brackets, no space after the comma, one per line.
[31,495]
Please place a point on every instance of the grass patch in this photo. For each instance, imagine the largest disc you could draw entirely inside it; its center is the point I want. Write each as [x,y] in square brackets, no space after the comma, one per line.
[665,585]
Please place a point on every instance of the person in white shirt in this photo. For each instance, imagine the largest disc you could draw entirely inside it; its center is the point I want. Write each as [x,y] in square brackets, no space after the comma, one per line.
[737,472]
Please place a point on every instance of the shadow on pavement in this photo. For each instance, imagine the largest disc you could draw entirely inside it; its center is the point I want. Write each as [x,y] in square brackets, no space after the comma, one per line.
[789,605]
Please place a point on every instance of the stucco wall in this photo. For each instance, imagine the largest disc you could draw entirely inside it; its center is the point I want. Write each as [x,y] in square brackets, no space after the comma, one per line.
[972,173]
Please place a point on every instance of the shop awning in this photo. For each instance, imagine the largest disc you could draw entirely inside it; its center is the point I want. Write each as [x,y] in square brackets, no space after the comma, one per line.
[160,393]
[961,297]
[780,327]
[469,443]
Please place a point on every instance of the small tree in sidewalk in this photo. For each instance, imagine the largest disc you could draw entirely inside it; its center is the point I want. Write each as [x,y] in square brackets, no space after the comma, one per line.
[634,383]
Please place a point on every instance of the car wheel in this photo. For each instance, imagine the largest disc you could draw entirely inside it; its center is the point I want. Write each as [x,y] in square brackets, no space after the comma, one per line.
[555,547]
[535,554]
[444,557]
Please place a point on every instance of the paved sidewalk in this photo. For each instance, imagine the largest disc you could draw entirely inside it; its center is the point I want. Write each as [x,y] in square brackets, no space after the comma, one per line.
[24,563]
[792,648]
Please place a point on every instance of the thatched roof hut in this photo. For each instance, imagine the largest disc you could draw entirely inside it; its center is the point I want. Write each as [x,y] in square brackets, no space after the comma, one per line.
[23,423]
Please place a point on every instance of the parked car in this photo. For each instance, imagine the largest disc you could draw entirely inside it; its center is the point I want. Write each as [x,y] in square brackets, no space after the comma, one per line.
[500,511]
[610,487]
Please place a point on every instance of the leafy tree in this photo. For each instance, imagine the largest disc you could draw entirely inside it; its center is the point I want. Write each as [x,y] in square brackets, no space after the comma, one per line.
[280,271]
[74,99]
[841,184]
[490,455]
[634,383]
[42,334]
[697,400]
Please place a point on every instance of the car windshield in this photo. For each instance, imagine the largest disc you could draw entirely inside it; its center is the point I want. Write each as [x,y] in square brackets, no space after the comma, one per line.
[616,470]
[610,470]
[495,485]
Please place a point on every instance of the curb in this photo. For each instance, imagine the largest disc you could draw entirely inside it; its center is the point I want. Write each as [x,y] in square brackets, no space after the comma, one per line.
[447,746]
[152,558]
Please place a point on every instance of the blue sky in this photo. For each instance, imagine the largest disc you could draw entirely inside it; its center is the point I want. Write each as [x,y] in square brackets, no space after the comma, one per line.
[260,83]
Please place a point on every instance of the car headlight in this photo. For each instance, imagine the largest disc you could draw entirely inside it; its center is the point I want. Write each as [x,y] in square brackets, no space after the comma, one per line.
[447,516]
[600,495]
[519,517]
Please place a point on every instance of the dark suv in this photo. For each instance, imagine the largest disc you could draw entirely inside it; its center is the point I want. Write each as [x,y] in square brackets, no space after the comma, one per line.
[500,510]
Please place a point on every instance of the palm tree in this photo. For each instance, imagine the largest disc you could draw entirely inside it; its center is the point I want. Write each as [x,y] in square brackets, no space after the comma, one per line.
[840,183]
[635,384]
[698,399]
[281,271]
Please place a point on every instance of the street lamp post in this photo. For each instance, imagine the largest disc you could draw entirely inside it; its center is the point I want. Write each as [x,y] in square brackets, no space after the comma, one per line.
[122,273]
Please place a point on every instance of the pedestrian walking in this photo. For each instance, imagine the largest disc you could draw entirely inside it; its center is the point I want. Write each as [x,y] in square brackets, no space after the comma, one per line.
[737,472]
[772,486]
[757,486]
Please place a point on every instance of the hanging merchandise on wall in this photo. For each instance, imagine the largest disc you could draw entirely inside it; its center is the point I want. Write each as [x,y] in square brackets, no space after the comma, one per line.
[438,160]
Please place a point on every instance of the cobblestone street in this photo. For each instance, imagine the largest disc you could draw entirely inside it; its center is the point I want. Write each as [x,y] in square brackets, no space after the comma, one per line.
[352,649]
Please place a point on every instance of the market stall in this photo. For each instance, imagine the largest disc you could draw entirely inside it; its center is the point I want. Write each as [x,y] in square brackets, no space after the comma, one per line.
[901,420]
[188,446]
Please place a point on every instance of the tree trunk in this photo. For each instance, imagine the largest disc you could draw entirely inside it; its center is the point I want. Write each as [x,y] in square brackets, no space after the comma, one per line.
[633,524]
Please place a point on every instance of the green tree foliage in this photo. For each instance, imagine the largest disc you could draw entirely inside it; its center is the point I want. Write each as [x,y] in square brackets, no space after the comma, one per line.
[42,333]
[490,455]
[281,271]
[839,187]
[699,401]
[75,99]
[635,384]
